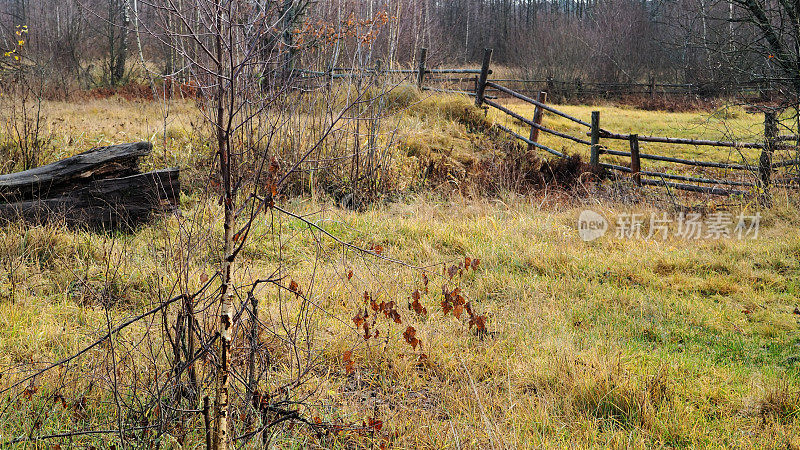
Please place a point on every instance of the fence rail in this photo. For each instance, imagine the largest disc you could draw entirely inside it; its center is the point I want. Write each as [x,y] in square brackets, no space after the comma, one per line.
[530,142]
[534,124]
[688,162]
[536,103]
[578,88]
[670,176]
[713,190]
[682,141]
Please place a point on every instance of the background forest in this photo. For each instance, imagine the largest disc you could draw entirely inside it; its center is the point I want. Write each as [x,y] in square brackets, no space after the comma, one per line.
[89,43]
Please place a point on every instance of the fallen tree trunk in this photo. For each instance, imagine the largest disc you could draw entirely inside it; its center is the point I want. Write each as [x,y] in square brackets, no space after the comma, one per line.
[63,176]
[101,188]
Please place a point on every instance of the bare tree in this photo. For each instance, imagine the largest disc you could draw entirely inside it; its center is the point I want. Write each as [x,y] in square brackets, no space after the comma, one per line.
[119,20]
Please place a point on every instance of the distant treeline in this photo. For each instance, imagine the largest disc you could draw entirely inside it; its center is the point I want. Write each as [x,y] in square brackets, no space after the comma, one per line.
[91,43]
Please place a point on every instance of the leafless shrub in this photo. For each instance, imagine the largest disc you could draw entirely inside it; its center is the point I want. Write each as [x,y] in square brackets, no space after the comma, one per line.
[225,346]
[24,137]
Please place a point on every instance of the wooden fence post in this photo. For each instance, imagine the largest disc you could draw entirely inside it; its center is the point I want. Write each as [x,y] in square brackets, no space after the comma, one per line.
[378,73]
[537,119]
[423,56]
[207,422]
[487,61]
[652,87]
[594,159]
[765,161]
[636,165]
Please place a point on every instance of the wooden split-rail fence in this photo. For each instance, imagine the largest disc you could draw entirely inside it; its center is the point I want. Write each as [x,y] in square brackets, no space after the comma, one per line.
[465,81]
[442,80]
[577,88]
[596,137]
[753,177]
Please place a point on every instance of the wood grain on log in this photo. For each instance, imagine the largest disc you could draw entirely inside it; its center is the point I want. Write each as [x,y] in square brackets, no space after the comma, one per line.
[101,188]
[63,176]
[108,203]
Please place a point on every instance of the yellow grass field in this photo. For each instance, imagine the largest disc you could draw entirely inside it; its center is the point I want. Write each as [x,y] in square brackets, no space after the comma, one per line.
[619,342]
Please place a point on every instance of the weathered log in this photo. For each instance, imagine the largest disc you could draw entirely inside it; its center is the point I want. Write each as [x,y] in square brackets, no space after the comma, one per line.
[62,177]
[106,203]
[101,188]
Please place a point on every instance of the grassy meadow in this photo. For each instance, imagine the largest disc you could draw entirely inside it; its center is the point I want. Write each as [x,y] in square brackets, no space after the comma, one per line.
[623,343]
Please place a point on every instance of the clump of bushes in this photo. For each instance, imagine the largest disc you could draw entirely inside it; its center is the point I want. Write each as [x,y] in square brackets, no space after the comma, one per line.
[427,142]
[453,143]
